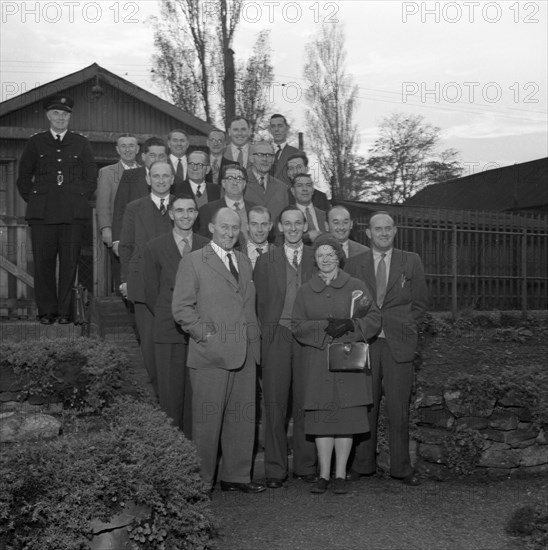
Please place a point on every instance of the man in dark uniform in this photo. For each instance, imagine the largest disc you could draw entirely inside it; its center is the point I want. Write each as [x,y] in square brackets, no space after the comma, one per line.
[57,176]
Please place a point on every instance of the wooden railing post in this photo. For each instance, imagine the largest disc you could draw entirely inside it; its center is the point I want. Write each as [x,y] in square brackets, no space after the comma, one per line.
[524,273]
[454,273]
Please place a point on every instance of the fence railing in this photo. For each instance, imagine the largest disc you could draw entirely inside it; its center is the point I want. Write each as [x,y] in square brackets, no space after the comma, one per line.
[476,260]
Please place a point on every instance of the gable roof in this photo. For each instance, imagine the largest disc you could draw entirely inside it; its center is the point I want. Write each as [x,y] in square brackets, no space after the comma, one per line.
[95,71]
[517,187]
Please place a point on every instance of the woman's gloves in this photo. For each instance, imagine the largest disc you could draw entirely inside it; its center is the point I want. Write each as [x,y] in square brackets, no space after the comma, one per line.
[339,327]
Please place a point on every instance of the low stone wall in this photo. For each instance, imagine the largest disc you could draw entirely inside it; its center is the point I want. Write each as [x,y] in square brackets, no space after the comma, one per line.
[509,442]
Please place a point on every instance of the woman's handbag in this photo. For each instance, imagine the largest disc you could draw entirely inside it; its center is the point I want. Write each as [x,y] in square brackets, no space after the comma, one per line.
[348,356]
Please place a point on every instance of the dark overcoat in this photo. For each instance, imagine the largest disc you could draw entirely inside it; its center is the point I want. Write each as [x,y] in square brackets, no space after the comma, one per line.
[316,302]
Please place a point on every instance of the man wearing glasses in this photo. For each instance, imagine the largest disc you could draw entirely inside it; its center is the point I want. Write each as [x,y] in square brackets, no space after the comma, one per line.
[234,179]
[196,186]
[262,188]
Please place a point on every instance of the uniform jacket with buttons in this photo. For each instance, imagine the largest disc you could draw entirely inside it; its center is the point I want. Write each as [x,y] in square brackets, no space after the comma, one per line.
[57,179]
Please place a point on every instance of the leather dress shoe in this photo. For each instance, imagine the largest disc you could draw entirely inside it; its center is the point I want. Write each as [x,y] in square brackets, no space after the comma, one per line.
[412,479]
[250,487]
[47,319]
[307,478]
[272,483]
[352,475]
[64,320]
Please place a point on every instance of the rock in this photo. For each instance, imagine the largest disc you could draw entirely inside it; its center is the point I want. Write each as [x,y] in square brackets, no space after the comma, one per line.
[499,455]
[427,400]
[8,396]
[541,438]
[520,438]
[503,420]
[455,403]
[534,456]
[539,469]
[474,422]
[433,436]
[511,399]
[432,453]
[436,416]
[413,446]
[523,413]
[493,435]
[17,426]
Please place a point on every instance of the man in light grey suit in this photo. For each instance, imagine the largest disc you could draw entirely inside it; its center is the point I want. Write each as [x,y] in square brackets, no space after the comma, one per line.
[262,188]
[109,177]
[214,301]
[237,150]
[339,223]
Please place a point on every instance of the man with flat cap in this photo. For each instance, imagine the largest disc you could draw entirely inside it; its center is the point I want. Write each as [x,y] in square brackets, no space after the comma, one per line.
[57,176]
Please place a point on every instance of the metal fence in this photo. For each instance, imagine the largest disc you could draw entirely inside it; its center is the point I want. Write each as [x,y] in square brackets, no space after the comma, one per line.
[476,260]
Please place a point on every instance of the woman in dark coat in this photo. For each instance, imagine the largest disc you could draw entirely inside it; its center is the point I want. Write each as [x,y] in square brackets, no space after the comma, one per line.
[335,402]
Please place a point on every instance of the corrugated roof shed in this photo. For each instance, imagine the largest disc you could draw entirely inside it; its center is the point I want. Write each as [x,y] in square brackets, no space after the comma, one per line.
[519,187]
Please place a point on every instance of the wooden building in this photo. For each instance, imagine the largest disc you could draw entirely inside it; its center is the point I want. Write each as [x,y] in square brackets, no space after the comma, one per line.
[106,105]
[522,187]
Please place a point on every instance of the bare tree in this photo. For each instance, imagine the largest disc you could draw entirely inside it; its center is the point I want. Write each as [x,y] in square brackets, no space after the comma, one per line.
[253,83]
[332,100]
[194,40]
[404,159]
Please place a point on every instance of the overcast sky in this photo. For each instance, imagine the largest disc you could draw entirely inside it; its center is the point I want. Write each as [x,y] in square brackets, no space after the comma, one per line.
[478,70]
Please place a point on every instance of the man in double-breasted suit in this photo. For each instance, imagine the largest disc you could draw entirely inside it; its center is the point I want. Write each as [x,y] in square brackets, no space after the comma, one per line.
[161,260]
[339,223]
[278,274]
[396,279]
[144,219]
[214,301]
[57,177]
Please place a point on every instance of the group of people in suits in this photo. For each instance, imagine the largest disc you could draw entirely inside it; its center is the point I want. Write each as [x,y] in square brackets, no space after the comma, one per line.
[219,252]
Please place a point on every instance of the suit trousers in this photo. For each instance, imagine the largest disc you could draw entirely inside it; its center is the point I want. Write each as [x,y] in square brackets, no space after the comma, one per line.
[145,327]
[223,412]
[174,391]
[48,242]
[396,381]
[282,375]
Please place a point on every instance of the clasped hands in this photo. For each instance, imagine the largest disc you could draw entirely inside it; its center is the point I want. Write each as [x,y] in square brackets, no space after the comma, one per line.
[339,327]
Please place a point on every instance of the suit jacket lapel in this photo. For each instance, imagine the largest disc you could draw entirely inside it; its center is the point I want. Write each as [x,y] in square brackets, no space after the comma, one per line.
[368,267]
[396,268]
[280,267]
[217,265]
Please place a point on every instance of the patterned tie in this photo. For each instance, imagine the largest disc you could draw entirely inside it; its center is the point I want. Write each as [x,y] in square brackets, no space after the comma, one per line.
[179,170]
[295,260]
[185,246]
[237,206]
[380,276]
[198,192]
[232,267]
[263,184]
[259,250]
[240,157]
[162,207]
[278,153]
[215,171]
[310,220]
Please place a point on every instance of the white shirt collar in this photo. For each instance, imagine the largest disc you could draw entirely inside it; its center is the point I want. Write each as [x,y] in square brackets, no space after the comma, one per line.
[157,200]
[230,203]
[60,134]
